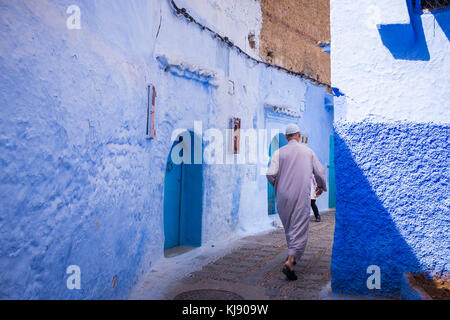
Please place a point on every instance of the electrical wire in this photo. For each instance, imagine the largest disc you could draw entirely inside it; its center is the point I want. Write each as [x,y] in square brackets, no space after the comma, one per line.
[227,41]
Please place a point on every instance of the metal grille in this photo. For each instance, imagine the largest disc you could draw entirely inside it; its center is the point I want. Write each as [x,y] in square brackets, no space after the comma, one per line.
[431,5]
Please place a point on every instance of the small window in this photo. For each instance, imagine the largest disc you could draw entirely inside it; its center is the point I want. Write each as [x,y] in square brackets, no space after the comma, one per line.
[431,5]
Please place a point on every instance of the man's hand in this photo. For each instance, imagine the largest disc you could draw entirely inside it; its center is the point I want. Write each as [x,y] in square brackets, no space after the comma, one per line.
[319,191]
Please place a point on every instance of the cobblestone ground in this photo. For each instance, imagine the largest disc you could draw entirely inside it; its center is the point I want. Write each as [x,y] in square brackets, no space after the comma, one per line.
[252,269]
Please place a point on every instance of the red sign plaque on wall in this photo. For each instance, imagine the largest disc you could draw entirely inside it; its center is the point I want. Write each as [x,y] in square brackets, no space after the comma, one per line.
[151,112]
[235,125]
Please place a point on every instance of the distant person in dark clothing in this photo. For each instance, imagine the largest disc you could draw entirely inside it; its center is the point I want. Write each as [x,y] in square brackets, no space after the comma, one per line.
[314,197]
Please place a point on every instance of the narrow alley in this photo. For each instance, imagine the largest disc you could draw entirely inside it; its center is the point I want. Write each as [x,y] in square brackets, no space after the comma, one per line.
[248,268]
[153,150]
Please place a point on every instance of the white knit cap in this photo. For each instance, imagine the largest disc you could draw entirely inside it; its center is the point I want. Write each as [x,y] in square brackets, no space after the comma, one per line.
[292,128]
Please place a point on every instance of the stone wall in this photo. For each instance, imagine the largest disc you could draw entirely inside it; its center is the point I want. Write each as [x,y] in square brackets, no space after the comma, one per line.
[291,31]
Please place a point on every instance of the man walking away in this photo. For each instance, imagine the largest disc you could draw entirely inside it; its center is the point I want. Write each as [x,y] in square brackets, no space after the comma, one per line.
[290,173]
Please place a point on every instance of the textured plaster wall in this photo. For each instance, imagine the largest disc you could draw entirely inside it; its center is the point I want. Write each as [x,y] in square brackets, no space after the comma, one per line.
[75,167]
[392,144]
[79,182]
[237,19]
[378,85]
[316,125]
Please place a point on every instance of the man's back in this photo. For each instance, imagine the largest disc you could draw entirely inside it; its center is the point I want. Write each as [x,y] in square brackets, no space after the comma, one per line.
[292,181]
[295,165]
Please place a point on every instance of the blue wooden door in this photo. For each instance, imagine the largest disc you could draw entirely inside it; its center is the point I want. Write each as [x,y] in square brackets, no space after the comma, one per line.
[191,200]
[172,202]
[183,199]
[278,142]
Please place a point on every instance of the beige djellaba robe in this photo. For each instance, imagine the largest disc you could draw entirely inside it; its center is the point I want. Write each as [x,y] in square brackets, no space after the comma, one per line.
[290,172]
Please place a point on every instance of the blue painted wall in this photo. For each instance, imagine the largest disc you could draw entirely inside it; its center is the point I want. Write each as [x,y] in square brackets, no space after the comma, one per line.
[391,144]
[316,124]
[79,182]
[74,164]
[392,211]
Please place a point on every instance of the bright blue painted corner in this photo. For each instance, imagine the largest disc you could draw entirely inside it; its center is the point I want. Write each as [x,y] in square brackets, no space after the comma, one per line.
[337,92]
[326,47]
[443,19]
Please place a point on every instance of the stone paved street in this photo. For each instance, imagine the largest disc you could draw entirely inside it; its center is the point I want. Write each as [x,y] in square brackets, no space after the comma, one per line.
[252,270]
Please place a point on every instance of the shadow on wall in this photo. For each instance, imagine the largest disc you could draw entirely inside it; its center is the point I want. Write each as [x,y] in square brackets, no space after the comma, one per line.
[406,41]
[443,19]
[393,209]
[365,234]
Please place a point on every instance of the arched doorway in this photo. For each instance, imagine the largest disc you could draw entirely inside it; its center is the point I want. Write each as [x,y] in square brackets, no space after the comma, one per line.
[183,196]
[278,142]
